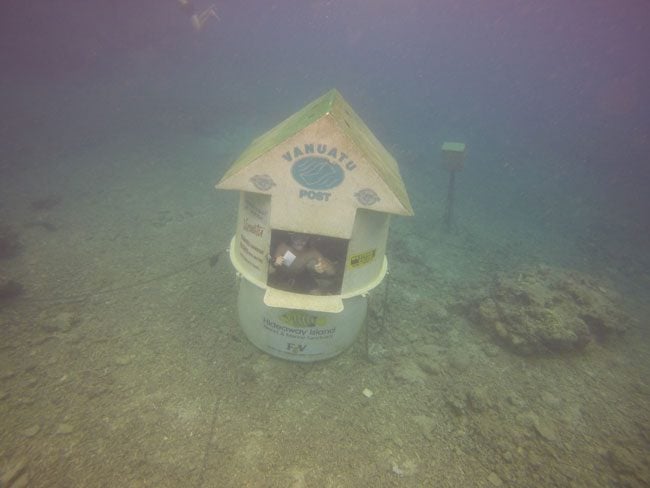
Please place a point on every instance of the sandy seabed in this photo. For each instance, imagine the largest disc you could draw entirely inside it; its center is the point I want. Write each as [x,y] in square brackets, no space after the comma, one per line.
[122,363]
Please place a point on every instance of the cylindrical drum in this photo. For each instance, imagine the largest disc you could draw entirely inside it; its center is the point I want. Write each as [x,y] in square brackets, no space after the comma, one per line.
[298,335]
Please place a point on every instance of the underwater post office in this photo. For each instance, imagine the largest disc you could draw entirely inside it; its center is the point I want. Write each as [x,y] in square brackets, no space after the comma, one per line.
[316,195]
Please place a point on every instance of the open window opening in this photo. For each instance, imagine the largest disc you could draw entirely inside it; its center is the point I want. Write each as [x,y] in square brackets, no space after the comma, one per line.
[306,263]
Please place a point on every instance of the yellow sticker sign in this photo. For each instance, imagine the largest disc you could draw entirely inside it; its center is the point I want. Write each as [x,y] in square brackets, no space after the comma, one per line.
[361,259]
[300,319]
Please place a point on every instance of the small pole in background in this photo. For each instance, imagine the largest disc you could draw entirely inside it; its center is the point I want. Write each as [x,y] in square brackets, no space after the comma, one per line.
[453,159]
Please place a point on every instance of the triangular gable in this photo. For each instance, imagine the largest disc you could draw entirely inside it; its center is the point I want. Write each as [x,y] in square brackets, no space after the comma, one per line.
[319,166]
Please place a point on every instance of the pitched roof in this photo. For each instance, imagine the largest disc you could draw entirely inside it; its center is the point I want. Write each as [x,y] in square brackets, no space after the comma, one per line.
[333,106]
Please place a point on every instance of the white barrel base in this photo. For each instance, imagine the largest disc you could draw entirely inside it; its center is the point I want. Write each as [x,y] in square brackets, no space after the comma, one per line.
[298,335]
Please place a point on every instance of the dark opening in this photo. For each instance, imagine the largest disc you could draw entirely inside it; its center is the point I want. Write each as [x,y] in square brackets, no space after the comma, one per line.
[306,263]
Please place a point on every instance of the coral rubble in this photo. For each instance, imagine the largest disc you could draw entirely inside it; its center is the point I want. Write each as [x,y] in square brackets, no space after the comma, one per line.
[550,310]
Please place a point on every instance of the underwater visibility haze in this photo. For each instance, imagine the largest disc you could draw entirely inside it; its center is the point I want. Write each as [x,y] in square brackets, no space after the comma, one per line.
[508,343]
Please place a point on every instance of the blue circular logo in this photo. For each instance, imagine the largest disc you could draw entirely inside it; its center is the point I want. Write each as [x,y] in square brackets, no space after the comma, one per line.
[317,173]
